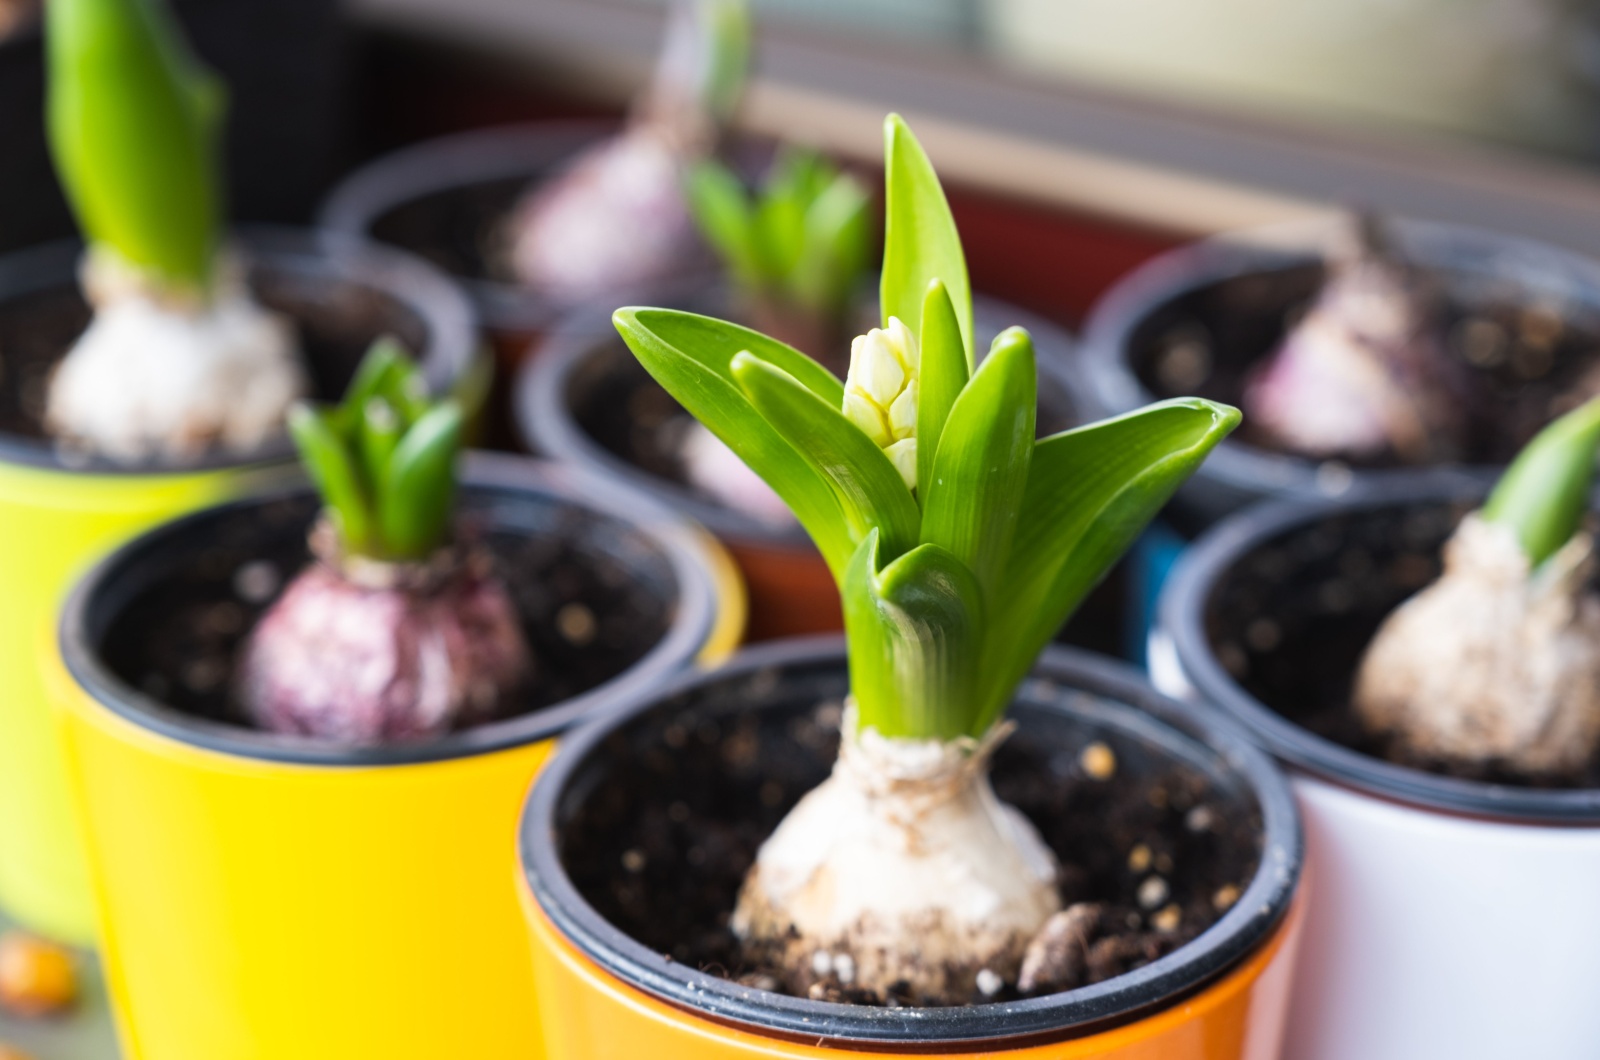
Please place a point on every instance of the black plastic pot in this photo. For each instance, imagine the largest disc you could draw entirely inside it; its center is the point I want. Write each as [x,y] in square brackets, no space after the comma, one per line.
[773,698]
[445,200]
[341,293]
[583,397]
[1195,320]
[1267,616]
[241,848]
[284,62]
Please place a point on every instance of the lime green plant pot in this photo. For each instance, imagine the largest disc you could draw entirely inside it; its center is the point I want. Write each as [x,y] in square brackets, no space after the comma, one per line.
[57,514]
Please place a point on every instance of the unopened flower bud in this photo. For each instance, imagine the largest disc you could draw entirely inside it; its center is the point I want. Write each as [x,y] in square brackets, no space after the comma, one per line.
[880,393]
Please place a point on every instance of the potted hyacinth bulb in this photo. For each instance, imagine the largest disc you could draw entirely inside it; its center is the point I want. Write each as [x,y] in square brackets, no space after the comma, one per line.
[794,251]
[397,631]
[960,543]
[179,355]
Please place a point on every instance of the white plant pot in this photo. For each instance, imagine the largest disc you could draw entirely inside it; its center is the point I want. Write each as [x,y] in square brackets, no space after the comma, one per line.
[1451,918]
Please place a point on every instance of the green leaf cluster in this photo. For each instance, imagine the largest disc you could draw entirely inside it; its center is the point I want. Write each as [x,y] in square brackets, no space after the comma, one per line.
[800,240]
[1544,494]
[951,590]
[384,458]
[133,122]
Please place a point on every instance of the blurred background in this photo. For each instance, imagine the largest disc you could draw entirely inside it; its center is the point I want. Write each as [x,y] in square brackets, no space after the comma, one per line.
[1110,127]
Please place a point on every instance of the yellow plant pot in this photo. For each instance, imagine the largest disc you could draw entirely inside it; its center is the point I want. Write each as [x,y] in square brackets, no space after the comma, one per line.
[264,897]
[619,974]
[55,519]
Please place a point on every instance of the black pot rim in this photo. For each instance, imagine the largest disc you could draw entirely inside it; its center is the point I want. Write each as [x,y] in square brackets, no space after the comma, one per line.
[1238,933]
[680,542]
[1181,617]
[1115,388]
[477,156]
[546,425]
[451,321]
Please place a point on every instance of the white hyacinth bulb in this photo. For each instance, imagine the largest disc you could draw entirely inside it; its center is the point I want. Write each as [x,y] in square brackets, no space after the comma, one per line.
[880,393]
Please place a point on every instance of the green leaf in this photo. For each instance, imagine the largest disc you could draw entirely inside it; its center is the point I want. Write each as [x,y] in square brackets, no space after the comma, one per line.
[920,242]
[869,490]
[836,244]
[133,121]
[915,634]
[691,356]
[1544,494]
[384,359]
[722,212]
[724,29]
[472,389]
[972,501]
[328,462]
[416,496]
[380,432]
[942,376]
[1091,491]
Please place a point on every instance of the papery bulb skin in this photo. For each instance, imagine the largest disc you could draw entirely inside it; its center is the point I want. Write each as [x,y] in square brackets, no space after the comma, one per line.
[365,655]
[880,393]
[172,375]
[904,863]
[1364,375]
[615,219]
[1491,665]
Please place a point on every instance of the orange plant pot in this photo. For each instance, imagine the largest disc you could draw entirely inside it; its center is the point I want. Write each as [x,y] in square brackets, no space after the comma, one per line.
[604,994]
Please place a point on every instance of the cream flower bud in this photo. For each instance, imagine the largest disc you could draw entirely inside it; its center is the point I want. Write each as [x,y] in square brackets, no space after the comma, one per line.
[880,393]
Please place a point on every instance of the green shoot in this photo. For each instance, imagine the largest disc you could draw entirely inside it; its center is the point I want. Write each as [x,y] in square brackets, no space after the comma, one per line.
[133,121]
[384,458]
[800,241]
[1544,494]
[960,543]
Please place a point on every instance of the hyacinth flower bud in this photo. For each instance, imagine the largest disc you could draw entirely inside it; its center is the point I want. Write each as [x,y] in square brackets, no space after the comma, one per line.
[880,393]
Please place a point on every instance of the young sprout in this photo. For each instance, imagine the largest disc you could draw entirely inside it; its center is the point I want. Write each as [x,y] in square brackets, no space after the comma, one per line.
[395,632]
[1364,375]
[616,218]
[795,250]
[1498,662]
[960,545]
[178,356]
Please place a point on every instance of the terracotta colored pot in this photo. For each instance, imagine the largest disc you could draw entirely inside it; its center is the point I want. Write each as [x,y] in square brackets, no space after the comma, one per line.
[606,995]
[585,376]
[56,517]
[262,896]
[1453,917]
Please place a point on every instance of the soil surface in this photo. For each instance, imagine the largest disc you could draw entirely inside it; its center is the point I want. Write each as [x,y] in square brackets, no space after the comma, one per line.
[1529,361]
[336,321]
[587,616]
[1292,620]
[461,229]
[666,831]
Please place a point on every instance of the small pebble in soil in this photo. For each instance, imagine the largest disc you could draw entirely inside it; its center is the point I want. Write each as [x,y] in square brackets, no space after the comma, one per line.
[633,860]
[256,582]
[1226,895]
[1200,819]
[1164,864]
[1153,892]
[37,978]
[577,625]
[989,984]
[678,811]
[822,963]
[844,968]
[1168,919]
[771,793]
[1098,761]
[1054,959]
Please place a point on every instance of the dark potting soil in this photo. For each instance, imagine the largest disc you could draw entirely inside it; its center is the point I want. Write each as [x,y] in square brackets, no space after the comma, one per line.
[1293,618]
[335,320]
[461,229]
[587,615]
[1529,361]
[659,842]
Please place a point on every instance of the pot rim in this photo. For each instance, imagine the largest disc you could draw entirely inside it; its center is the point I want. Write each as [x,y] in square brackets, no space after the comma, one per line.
[533,150]
[450,319]
[1115,388]
[547,427]
[683,546]
[1181,616]
[1239,932]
